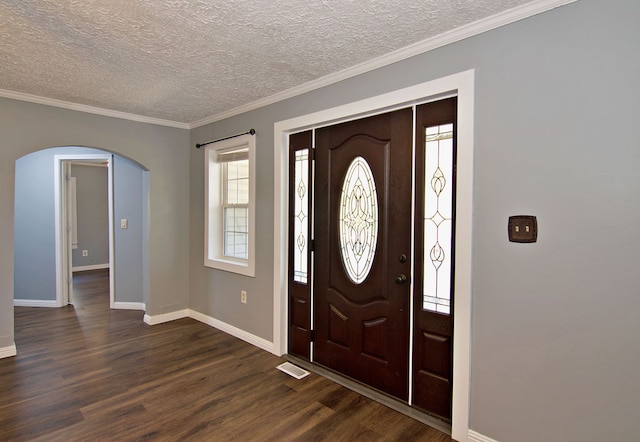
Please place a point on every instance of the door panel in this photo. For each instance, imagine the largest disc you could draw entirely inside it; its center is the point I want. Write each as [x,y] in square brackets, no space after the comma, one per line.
[299,277]
[433,317]
[361,319]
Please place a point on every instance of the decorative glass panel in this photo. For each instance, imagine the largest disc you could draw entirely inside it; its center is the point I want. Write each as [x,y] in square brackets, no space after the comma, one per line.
[301,222]
[358,220]
[438,220]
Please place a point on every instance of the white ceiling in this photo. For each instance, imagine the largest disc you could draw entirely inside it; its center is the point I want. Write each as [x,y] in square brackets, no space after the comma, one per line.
[188,60]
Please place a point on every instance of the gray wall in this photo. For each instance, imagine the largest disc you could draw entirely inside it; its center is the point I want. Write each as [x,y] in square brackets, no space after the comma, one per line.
[128,204]
[34,230]
[92,202]
[555,326]
[27,127]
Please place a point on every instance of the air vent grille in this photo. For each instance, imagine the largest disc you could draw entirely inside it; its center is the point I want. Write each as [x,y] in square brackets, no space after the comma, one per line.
[292,370]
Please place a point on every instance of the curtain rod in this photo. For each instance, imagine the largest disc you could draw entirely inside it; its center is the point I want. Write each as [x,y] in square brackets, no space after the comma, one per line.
[250,132]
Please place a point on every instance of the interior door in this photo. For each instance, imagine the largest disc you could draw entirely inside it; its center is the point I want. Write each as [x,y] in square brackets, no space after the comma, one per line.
[363,248]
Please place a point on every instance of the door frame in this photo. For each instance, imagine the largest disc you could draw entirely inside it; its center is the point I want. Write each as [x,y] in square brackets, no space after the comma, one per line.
[61,203]
[460,85]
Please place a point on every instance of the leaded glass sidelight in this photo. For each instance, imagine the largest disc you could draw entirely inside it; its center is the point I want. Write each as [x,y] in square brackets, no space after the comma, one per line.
[301,221]
[358,220]
[438,218]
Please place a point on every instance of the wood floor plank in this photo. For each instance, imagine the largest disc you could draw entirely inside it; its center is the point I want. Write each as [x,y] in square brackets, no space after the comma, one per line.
[85,372]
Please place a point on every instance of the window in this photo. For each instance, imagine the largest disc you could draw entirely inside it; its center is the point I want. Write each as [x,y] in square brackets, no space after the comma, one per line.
[230,205]
[235,209]
[301,217]
[358,220]
[438,218]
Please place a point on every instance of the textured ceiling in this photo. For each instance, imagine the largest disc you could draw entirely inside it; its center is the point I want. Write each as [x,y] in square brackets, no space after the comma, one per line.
[186,60]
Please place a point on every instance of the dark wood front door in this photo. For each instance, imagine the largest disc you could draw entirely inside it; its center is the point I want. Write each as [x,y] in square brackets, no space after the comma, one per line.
[363,248]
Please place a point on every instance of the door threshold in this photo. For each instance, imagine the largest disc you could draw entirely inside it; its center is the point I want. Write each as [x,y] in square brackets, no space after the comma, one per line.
[388,401]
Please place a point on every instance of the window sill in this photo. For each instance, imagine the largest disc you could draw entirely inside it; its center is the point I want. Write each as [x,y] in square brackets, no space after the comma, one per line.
[241,267]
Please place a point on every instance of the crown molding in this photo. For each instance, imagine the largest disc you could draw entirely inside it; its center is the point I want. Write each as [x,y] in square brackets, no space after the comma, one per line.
[458,34]
[90,109]
[461,33]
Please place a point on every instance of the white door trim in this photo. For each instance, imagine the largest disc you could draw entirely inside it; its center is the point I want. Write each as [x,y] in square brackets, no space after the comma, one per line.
[61,234]
[460,84]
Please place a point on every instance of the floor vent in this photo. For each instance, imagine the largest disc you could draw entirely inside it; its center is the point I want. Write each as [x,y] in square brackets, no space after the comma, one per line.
[293,370]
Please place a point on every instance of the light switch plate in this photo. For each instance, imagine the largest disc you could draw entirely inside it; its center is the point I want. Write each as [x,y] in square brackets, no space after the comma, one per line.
[124,224]
[523,228]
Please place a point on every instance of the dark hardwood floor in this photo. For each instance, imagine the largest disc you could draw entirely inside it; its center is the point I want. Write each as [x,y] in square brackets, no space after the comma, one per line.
[86,372]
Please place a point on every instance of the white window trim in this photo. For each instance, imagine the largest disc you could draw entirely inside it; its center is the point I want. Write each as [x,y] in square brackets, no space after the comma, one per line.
[213,222]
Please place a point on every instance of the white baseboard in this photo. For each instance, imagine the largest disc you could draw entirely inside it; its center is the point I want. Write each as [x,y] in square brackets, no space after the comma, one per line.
[35,303]
[91,267]
[7,352]
[233,331]
[212,322]
[166,317]
[129,306]
[477,437]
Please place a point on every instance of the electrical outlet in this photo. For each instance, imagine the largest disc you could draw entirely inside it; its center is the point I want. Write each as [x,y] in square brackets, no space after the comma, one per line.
[243,296]
[85,253]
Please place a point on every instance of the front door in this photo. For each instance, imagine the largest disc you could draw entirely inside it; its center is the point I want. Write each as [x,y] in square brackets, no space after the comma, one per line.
[362,242]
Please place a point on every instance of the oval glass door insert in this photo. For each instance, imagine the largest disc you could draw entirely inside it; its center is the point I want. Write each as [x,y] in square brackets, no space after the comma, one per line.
[358,220]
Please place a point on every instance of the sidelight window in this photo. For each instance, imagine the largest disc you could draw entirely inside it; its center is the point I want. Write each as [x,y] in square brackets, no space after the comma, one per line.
[301,221]
[438,218]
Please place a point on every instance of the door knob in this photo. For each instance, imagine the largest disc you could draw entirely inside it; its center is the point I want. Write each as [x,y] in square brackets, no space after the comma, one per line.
[401,278]
[402,258]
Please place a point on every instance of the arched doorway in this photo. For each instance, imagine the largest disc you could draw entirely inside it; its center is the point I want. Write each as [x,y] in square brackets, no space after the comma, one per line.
[41,263]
